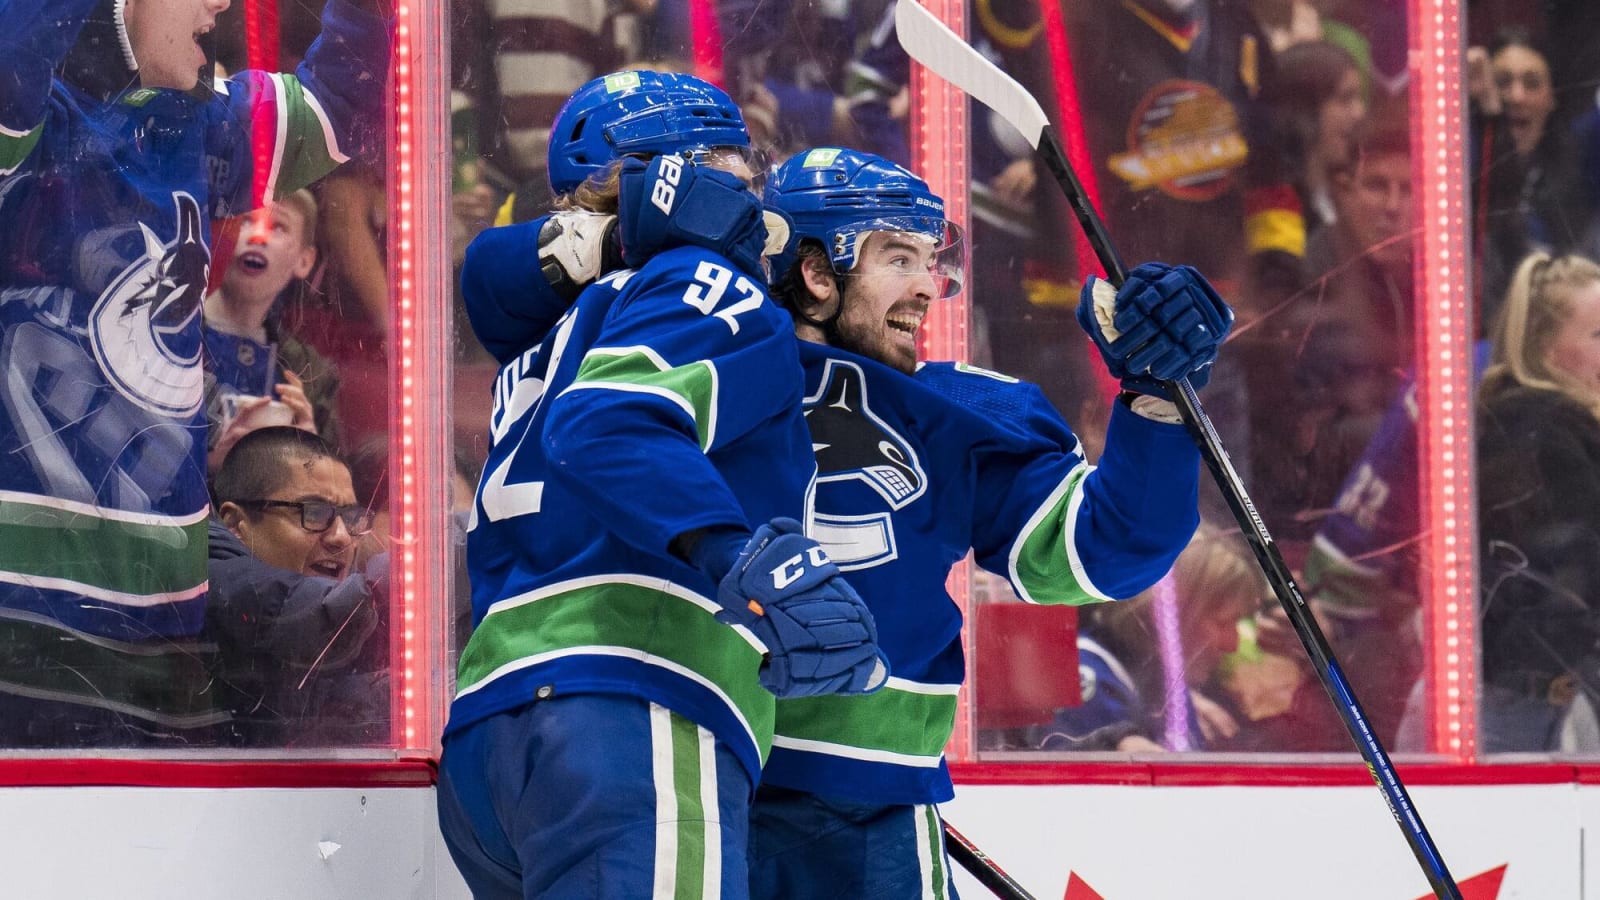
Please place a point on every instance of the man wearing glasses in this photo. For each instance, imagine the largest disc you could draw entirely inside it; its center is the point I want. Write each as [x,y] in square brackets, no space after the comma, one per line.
[290,618]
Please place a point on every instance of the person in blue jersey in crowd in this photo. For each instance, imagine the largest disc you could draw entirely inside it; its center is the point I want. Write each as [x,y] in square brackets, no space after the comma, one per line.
[117,149]
[916,465]
[642,592]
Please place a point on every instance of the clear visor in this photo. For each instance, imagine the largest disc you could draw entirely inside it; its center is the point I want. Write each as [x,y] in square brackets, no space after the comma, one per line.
[748,163]
[910,247]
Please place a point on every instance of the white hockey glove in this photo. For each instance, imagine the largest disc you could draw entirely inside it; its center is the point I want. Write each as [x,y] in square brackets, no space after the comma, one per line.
[575,248]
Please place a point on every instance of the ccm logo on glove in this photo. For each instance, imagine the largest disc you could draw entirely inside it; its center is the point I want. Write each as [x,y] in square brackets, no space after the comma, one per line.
[665,191]
[793,569]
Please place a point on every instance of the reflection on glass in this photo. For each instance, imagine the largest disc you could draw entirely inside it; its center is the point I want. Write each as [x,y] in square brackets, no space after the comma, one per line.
[121,162]
[1159,672]
[1531,78]
[1538,445]
[1265,143]
[514,64]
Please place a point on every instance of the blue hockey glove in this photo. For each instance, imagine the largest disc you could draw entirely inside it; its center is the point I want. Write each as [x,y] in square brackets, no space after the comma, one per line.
[669,202]
[819,635]
[1164,324]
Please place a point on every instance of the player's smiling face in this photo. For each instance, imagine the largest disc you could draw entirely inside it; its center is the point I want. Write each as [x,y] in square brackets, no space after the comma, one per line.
[165,36]
[886,297]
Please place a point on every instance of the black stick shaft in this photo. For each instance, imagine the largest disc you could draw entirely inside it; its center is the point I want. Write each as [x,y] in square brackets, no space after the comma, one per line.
[1327,667]
[982,867]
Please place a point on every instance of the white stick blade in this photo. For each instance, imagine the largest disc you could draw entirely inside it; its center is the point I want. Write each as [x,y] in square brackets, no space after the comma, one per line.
[930,42]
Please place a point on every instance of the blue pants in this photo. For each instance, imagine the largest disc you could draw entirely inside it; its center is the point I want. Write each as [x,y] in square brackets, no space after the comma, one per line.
[594,796]
[806,847]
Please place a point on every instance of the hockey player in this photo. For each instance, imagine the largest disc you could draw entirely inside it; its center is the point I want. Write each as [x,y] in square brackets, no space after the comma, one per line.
[116,149]
[913,470]
[917,464]
[615,700]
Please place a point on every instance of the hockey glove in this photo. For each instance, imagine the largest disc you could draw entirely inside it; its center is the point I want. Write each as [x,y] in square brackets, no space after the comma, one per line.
[669,202]
[820,637]
[575,248]
[1164,324]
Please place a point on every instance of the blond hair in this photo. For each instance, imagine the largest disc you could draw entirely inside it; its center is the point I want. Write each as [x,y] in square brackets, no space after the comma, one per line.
[597,193]
[304,203]
[1538,303]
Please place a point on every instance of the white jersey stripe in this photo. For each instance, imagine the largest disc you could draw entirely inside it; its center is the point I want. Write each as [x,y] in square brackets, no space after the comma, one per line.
[666,855]
[104,512]
[711,814]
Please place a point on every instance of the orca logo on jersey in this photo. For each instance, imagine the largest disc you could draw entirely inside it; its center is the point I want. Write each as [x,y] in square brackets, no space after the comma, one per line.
[852,443]
[793,568]
[665,191]
[145,327]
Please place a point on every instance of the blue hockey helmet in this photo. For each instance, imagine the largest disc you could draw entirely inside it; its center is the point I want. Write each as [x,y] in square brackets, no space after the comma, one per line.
[638,112]
[838,197]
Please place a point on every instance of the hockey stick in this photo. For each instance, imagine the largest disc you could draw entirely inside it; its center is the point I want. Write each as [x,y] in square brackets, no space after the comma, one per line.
[945,54]
[982,867]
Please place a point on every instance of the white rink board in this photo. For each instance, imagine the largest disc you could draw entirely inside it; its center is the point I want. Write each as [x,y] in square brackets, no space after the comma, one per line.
[207,844]
[1125,842]
[1271,843]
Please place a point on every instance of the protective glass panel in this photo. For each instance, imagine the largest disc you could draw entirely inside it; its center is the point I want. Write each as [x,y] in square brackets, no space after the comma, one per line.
[1266,144]
[1532,74]
[193,297]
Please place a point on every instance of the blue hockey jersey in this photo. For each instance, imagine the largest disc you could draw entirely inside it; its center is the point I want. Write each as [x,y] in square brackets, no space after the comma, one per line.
[107,202]
[666,400]
[911,473]
[107,195]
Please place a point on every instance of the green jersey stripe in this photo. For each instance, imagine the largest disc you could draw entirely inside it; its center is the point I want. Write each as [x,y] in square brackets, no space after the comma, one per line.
[896,725]
[690,818]
[931,833]
[653,621]
[693,388]
[16,145]
[106,558]
[306,148]
[1044,563]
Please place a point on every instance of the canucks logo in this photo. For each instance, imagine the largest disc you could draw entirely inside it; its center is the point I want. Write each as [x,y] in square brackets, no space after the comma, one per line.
[852,443]
[145,327]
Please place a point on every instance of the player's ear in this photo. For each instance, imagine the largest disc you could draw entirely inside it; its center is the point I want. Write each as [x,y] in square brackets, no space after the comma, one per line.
[822,287]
